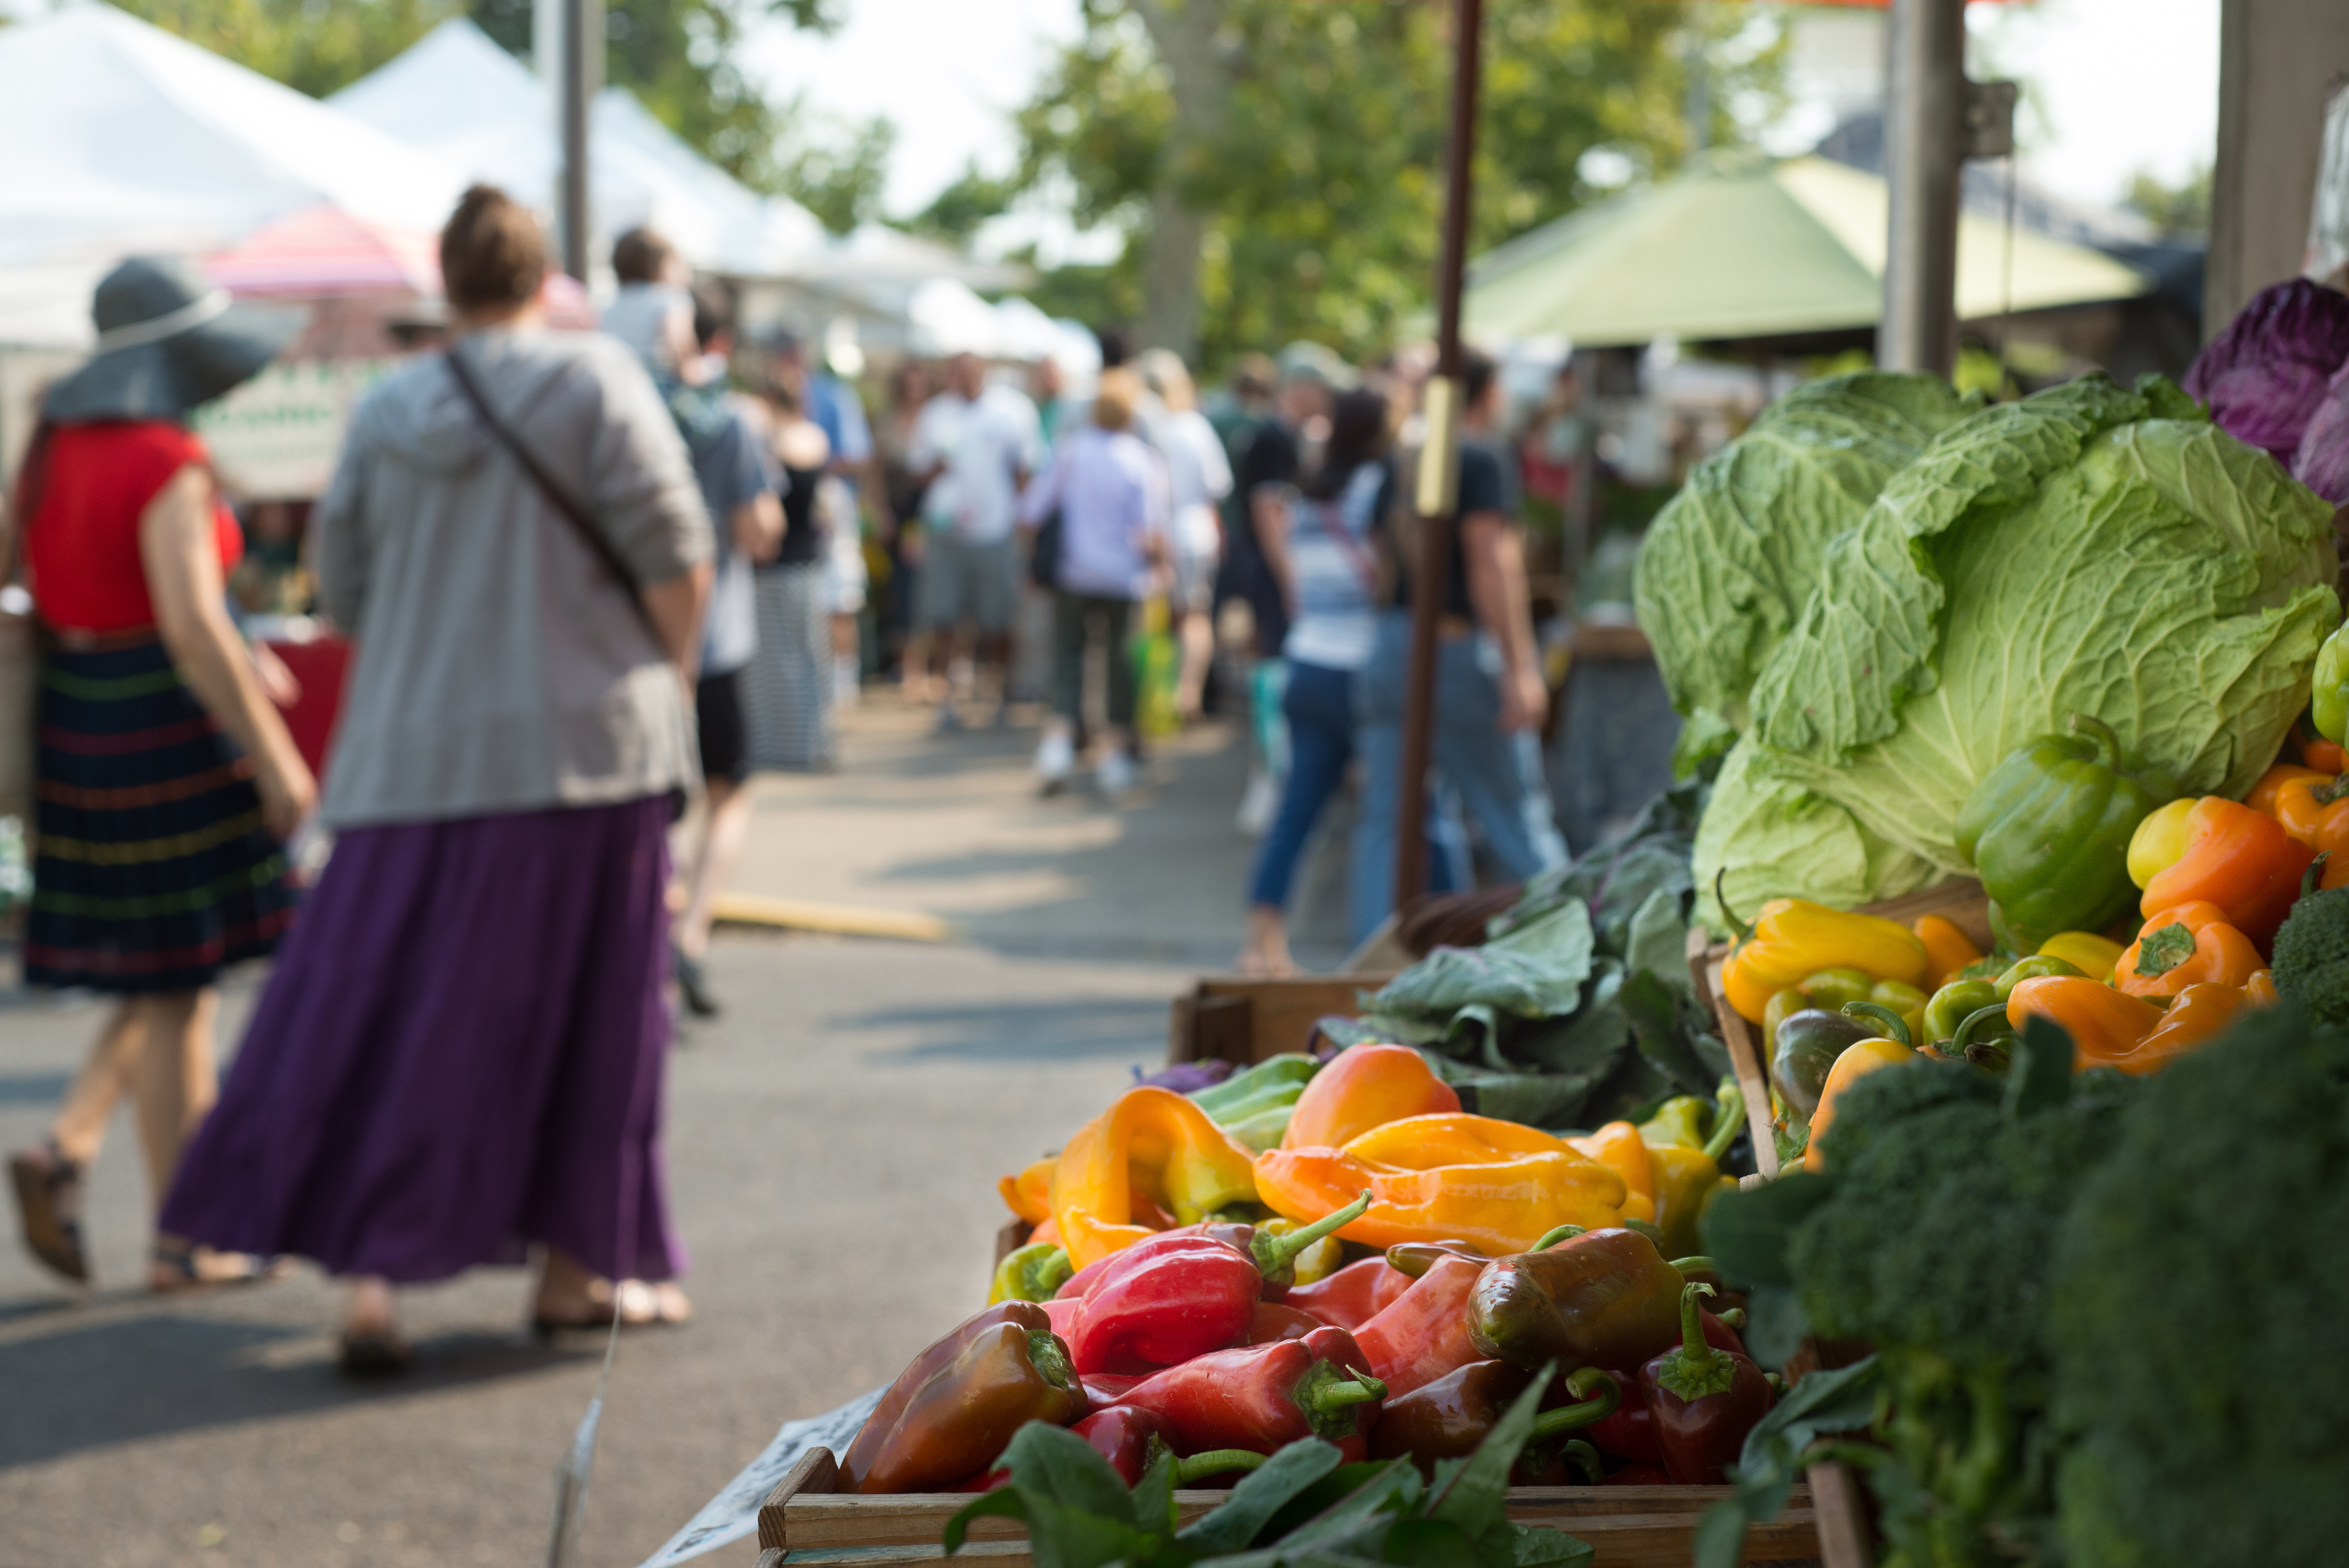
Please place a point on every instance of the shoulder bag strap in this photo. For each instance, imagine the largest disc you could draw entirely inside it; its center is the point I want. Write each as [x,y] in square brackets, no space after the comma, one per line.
[570,510]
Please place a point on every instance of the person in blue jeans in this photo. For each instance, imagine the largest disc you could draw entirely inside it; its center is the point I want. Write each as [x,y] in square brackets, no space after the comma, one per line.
[1320,542]
[1490,697]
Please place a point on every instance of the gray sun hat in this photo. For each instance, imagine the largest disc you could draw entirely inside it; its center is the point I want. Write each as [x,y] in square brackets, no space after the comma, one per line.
[168,343]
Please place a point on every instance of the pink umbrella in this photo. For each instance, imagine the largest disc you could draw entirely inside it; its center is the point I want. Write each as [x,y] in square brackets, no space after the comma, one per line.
[324,252]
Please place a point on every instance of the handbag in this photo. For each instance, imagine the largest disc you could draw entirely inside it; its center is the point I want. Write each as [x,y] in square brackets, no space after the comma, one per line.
[572,512]
[1044,556]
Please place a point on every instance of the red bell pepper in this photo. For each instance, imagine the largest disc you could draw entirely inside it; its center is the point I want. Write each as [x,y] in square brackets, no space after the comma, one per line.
[1631,1432]
[1275,1256]
[1108,1387]
[1278,1320]
[953,1409]
[1424,1334]
[1352,1297]
[1262,1397]
[1704,1400]
[1161,1302]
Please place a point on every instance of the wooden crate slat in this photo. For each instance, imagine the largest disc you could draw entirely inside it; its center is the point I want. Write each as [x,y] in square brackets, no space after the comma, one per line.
[814,1472]
[996,1554]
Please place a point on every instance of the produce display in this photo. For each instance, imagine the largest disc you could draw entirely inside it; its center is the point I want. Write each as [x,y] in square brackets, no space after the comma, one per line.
[2051,1259]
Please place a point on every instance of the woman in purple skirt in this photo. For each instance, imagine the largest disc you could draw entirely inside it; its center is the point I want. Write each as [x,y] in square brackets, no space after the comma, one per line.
[459,1054]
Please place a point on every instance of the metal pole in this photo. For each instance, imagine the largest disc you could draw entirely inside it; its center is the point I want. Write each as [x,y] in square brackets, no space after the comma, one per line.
[1439,462]
[582,74]
[1925,140]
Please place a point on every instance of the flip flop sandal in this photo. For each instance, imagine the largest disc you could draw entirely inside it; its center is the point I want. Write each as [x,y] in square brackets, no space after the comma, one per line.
[178,1260]
[48,1201]
[375,1353]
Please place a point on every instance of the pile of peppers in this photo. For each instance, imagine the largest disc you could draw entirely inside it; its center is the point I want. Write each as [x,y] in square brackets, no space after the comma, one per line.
[1198,1343]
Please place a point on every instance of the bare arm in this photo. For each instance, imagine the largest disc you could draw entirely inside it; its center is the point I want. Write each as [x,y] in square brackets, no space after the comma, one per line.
[674,606]
[177,548]
[758,525]
[1493,552]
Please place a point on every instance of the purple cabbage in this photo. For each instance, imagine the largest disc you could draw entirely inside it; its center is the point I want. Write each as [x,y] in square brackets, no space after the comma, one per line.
[2323,461]
[1186,1078]
[2265,377]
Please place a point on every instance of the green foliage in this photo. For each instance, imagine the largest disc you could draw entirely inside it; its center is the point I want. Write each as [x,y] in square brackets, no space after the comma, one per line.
[2195,1313]
[1301,1506]
[312,46]
[2179,209]
[2311,956]
[1312,136]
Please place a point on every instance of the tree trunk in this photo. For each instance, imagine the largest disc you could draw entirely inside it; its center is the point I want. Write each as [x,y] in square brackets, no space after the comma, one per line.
[1183,33]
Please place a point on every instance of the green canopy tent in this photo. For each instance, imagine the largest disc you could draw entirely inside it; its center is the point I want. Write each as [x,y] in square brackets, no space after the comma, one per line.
[1739,247]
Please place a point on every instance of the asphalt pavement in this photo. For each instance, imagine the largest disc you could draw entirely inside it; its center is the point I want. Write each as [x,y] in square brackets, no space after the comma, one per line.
[833,1143]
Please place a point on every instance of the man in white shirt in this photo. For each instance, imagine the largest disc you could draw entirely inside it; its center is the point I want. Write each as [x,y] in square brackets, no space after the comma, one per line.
[973,445]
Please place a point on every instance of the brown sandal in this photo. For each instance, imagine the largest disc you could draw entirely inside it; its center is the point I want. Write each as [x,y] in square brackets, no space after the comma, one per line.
[48,1202]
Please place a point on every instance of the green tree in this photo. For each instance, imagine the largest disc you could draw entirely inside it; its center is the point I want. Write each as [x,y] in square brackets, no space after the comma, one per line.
[1277,166]
[312,46]
[2180,208]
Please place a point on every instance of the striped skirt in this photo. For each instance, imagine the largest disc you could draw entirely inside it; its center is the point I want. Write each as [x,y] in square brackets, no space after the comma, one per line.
[787,686]
[151,869]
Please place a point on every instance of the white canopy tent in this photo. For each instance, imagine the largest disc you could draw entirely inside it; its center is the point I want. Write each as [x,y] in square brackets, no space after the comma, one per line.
[123,138]
[459,97]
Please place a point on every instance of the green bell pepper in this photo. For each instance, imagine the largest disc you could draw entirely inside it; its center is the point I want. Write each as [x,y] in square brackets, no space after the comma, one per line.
[1806,1047]
[1953,1003]
[2048,830]
[1254,1089]
[2329,698]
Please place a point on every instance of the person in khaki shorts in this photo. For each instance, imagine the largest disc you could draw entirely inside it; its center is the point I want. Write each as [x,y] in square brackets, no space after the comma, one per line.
[974,446]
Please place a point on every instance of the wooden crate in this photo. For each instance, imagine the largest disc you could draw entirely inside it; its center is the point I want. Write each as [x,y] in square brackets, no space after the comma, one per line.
[1244,1021]
[1961,902]
[807,1520]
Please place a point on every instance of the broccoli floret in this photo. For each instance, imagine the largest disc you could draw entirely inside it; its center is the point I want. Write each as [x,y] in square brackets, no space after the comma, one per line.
[2195,1311]
[1934,1246]
[2311,956]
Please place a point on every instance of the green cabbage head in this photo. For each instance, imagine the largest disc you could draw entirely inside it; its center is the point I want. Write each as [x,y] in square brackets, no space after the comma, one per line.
[2088,549]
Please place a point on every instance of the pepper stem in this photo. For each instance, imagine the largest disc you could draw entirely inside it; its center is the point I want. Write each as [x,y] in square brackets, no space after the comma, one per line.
[1744,932]
[1214,1462]
[1700,1263]
[1732,1318]
[2314,874]
[1584,1458]
[1964,1038]
[1275,1254]
[1600,1394]
[1050,1356]
[2096,730]
[1896,1027]
[1551,1238]
[1692,1340]
[1728,1116]
[1362,1390]
[1696,1369]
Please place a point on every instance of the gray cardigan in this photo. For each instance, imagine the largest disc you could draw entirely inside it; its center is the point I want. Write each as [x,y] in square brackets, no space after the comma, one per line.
[498,667]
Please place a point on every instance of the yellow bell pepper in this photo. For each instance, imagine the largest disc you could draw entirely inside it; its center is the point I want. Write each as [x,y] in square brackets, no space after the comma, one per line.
[1620,1148]
[2159,841]
[1855,1063]
[1496,1185]
[1029,1193]
[1793,938]
[1153,1142]
[2091,954]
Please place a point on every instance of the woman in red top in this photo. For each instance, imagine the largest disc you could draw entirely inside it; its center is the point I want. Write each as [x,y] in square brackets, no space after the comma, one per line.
[166,781]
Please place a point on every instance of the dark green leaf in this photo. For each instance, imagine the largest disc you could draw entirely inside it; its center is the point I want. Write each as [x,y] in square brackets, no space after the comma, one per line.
[1538,1546]
[1006,1502]
[1473,1496]
[1534,972]
[1823,1402]
[1431,1543]
[2159,952]
[1659,1023]
[2039,1068]
[1747,1231]
[1776,1325]
[1055,1464]
[1260,1494]
[1153,1498]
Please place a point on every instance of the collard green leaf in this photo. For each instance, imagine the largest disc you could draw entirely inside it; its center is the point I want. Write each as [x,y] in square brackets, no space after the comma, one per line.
[1472,1498]
[1054,1463]
[1431,1543]
[1538,1546]
[1746,1231]
[1822,1403]
[1534,972]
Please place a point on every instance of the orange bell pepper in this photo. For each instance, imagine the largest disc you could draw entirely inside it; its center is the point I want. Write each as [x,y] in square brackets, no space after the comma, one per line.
[2190,944]
[1152,1147]
[1362,1087]
[1620,1148]
[2105,1024]
[2262,798]
[1947,949]
[1496,1185]
[2199,1013]
[2262,989]
[1029,1193]
[2237,859]
[2325,756]
[1855,1063]
[2306,806]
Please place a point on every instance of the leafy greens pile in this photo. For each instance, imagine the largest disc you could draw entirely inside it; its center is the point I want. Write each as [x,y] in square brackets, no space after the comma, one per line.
[1302,1506]
[2090,548]
[1579,1009]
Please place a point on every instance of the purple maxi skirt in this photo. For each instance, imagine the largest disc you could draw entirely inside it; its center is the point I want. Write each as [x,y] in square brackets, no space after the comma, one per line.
[458,1053]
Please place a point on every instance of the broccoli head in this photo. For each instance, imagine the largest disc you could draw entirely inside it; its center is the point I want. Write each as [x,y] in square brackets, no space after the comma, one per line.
[2194,1310]
[2311,956]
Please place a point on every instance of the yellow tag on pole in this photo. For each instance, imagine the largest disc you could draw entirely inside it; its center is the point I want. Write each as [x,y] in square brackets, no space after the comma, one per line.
[1438,452]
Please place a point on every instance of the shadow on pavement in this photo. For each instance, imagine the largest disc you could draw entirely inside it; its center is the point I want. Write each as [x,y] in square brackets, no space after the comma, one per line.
[34,1089]
[149,1376]
[1027,1031]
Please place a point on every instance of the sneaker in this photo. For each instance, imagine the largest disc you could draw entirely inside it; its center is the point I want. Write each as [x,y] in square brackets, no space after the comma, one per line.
[1116,775]
[1258,805]
[1055,759]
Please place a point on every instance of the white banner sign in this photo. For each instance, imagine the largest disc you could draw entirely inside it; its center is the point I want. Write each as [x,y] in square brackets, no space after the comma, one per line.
[734,1512]
[277,436]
